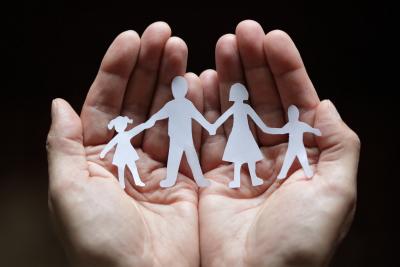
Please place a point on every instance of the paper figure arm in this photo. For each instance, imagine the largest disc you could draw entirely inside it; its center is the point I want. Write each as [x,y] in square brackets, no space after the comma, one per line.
[253,115]
[141,127]
[108,147]
[309,129]
[223,118]
[270,130]
[197,116]
[159,115]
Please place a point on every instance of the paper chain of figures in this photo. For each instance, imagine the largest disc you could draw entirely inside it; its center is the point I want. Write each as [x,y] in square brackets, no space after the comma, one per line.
[241,147]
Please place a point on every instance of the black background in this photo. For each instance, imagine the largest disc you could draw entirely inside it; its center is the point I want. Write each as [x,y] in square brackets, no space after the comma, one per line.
[54,50]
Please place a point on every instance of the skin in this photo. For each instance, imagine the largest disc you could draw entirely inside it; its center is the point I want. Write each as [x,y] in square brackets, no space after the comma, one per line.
[297,222]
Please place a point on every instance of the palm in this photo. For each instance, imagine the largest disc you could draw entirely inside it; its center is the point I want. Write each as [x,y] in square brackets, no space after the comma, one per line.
[276,223]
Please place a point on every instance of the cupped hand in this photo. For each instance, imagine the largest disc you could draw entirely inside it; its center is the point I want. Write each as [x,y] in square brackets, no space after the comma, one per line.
[100,223]
[297,222]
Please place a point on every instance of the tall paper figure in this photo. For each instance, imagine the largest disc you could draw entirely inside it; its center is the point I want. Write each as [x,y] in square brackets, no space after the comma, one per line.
[125,154]
[241,147]
[180,112]
[296,130]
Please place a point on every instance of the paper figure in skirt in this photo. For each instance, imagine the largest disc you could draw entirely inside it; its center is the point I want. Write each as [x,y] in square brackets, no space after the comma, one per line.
[125,155]
[241,147]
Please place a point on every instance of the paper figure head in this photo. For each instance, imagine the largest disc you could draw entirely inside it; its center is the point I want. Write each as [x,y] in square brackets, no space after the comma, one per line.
[119,123]
[293,113]
[238,93]
[179,87]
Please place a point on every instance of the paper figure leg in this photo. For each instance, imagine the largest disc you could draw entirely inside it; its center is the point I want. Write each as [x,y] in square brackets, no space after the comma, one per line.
[287,163]
[121,176]
[302,156]
[255,181]
[194,164]
[236,176]
[174,160]
[135,174]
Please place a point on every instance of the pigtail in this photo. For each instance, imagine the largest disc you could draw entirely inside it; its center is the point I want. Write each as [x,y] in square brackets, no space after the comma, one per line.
[118,121]
[127,119]
[111,124]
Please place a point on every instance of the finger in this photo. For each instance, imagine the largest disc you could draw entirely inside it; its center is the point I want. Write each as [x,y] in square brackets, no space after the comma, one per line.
[66,154]
[230,71]
[294,85]
[174,63]
[213,146]
[339,146]
[264,95]
[143,81]
[105,96]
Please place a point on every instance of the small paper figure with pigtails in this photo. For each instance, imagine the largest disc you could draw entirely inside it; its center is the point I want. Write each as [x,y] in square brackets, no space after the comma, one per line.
[125,154]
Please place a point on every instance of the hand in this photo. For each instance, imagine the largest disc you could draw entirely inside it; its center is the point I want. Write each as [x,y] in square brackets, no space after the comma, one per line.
[102,225]
[298,222]
[102,154]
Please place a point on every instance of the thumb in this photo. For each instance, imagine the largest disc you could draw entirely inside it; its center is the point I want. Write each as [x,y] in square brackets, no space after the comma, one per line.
[65,151]
[339,145]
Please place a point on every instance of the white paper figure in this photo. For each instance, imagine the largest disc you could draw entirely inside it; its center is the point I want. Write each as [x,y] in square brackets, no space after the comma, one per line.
[296,130]
[241,147]
[125,154]
[180,112]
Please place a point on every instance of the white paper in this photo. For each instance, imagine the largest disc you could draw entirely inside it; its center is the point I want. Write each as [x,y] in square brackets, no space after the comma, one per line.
[180,112]
[125,155]
[296,130]
[240,149]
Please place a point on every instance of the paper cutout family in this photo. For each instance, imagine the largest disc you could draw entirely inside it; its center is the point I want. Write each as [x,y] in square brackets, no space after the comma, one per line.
[241,147]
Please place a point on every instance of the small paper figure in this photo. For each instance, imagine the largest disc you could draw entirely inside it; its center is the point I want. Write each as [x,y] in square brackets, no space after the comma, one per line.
[125,154]
[296,129]
[241,147]
[180,112]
